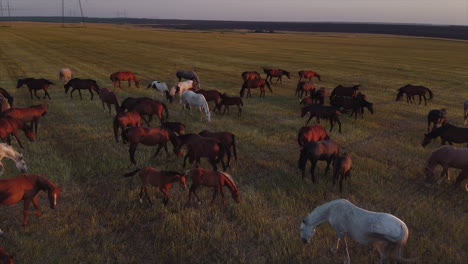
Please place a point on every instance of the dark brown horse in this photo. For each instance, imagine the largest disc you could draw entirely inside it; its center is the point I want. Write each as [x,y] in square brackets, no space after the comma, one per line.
[305,87]
[214,179]
[161,179]
[129,103]
[7,96]
[314,151]
[331,113]
[356,104]
[176,127]
[124,76]
[308,75]
[319,95]
[230,100]
[342,169]
[5,258]
[25,187]
[436,117]
[311,133]
[227,138]
[198,147]
[146,106]
[210,95]
[250,75]
[28,114]
[411,91]
[81,84]
[109,98]
[123,120]
[278,73]
[340,90]
[255,83]
[34,85]
[307,101]
[448,133]
[9,126]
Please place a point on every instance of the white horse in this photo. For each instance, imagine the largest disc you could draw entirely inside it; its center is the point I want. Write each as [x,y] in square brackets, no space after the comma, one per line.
[7,151]
[65,74]
[160,86]
[181,87]
[193,99]
[385,231]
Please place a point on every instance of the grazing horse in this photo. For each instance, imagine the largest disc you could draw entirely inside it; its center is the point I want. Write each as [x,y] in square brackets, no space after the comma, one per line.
[278,73]
[331,113]
[181,87]
[308,75]
[109,98]
[227,101]
[193,99]
[307,87]
[28,114]
[81,84]
[388,233]
[436,117]
[447,157]
[448,133]
[129,103]
[411,91]
[65,75]
[149,137]
[4,105]
[7,151]
[189,75]
[211,95]
[255,83]
[176,127]
[161,179]
[314,151]
[162,87]
[311,133]
[124,76]
[227,138]
[7,95]
[34,85]
[344,91]
[146,106]
[307,101]
[198,147]
[465,110]
[250,75]
[342,169]
[123,120]
[25,187]
[9,126]
[214,179]
[5,258]
[357,104]
[319,95]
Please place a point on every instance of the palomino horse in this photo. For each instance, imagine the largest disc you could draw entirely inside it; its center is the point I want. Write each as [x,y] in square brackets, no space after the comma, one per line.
[356,104]
[227,138]
[211,95]
[465,109]
[308,75]
[311,133]
[25,187]
[214,179]
[176,127]
[278,73]
[448,133]
[9,126]
[305,87]
[124,76]
[331,113]
[411,91]
[388,233]
[65,74]
[34,85]
[161,179]
[250,75]
[162,87]
[199,147]
[227,101]
[436,117]
[146,106]
[189,75]
[447,157]
[342,169]
[344,91]
[190,99]
[181,87]
[28,114]
[81,84]
[7,151]
[109,98]
[123,120]
[255,83]
[314,151]
[7,95]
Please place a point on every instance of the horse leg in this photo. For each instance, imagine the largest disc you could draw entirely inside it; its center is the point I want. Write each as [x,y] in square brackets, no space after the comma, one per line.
[25,211]
[425,101]
[185,160]
[92,95]
[132,151]
[312,168]
[420,99]
[311,116]
[339,123]
[17,139]
[344,244]
[166,195]
[332,123]
[30,92]
[157,151]
[334,249]
[79,91]
[35,94]
[222,195]
[240,110]
[2,169]
[36,206]
[71,93]
[47,94]
[165,148]
[147,196]
[215,192]
[147,122]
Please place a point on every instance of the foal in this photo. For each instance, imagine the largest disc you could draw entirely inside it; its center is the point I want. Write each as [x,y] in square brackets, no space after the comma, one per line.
[227,101]
[342,169]
[331,113]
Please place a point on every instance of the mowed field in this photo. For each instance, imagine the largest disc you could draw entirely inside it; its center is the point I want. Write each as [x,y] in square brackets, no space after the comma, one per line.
[99,218]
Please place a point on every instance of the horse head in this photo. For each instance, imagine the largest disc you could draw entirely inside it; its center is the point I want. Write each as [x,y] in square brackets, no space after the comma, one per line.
[428,174]
[307,232]
[208,115]
[288,74]
[427,139]
[67,86]
[21,163]
[20,83]
[53,196]
[182,180]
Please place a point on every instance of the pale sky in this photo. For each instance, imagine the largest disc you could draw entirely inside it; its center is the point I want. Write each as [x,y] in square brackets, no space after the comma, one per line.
[447,12]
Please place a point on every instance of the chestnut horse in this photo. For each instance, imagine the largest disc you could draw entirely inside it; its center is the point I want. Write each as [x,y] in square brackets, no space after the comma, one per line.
[198,147]
[411,91]
[214,179]
[356,104]
[9,126]
[448,133]
[447,157]
[436,117]
[311,133]
[276,73]
[227,101]
[7,95]
[123,120]
[25,187]
[161,179]
[227,138]
[110,98]
[81,84]
[176,127]
[146,106]
[250,75]
[255,83]
[28,114]
[307,87]
[308,75]
[342,169]
[332,113]
[314,151]
[124,76]
[5,258]
[34,85]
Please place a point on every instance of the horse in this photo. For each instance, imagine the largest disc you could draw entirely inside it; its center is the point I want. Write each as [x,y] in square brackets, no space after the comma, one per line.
[124,76]
[162,87]
[198,147]
[227,138]
[34,85]
[388,233]
[307,87]
[81,84]
[161,179]
[9,152]
[7,95]
[447,157]
[436,117]
[5,258]
[340,90]
[176,127]
[448,133]
[227,101]
[211,95]
[314,151]
[214,179]
[250,75]
[342,169]
[123,120]
[276,73]
[411,91]
[65,75]
[311,133]
[149,137]
[109,98]
[308,75]
[181,87]
[146,106]
[357,104]
[189,75]
[307,101]
[255,83]
[28,114]
[465,110]
[331,113]
[319,95]
[193,99]
[9,126]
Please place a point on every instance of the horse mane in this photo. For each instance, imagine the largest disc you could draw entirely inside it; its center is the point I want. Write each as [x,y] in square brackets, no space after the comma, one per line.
[231,180]
[45,183]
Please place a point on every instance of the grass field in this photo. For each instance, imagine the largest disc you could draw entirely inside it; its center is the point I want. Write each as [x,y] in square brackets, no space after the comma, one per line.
[99,218]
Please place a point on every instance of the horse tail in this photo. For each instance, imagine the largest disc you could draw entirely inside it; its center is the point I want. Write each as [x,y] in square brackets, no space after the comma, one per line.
[269,87]
[234,146]
[431,95]
[167,111]
[132,173]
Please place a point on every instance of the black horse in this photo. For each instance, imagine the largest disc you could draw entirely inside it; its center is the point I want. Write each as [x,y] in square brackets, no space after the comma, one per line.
[34,85]
[81,84]
[448,133]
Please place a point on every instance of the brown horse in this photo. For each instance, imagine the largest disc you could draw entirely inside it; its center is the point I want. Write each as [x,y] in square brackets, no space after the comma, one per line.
[176,127]
[307,101]
[356,104]
[255,83]
[331,113]
[5,258]
[198,147]
[34,85]
[227,101]
[308,75]
[250,75]
[278,73]
[447,157]
[81,84]
[344,91]
[307,87]
[123,120]
[214,179]
[124,76]
[342,169]
[436,117]
[150,137]
[210,95]
[109,98]
[28,114]
[25,187]
[448,133]
[161,179]
[319,95]
[9,126]
[145,106]
[7,95]
[314,151]
[311,133]
[411,91]
[227,138]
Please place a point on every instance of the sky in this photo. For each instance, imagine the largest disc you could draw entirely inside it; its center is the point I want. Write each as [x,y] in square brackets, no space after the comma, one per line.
[444,12]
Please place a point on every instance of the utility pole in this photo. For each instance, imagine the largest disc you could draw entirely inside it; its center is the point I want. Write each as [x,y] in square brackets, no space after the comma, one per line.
[1,6]
[8,5]
[81,10]
[63,13]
